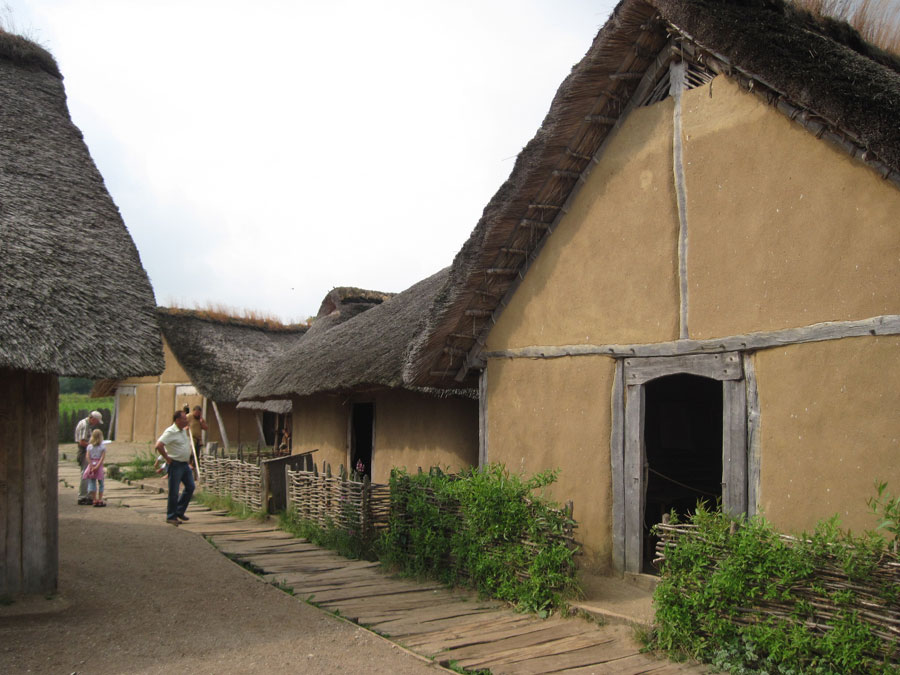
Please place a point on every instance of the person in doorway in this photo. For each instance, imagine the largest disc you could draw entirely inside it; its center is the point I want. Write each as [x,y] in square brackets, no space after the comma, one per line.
[83,437]
[94,471]
[198,426]
[175,447]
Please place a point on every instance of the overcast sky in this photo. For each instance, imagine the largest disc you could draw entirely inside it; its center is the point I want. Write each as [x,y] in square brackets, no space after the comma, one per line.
[264,152]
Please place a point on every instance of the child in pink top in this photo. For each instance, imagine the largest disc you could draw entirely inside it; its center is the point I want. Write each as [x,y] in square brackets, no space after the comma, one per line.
[94,472]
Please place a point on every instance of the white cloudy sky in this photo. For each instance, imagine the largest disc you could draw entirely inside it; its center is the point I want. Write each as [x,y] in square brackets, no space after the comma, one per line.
[264,152]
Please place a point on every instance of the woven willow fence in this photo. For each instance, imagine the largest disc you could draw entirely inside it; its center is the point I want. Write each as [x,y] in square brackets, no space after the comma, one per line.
[359,507]
[232,477]
[827,581]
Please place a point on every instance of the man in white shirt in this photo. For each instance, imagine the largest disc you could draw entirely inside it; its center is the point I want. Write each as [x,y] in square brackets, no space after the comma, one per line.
[175,447]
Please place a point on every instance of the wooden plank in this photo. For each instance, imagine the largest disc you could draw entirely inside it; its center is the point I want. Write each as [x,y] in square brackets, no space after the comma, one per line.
[461,633]
[554,649]
[887,324]
[725,366]
[754,438]
[635,402]
[482,419]
[545,640]
[617,467]
[486,633]
[734,447]
[406,626]
[626,665]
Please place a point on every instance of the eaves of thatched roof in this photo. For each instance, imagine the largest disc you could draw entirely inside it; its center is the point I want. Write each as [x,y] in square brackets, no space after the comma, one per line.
[818,71]
[220,357]
[74,297]
[368,351]
[277,406]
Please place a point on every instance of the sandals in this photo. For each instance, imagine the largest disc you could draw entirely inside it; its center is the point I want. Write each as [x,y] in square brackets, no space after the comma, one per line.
[100,503]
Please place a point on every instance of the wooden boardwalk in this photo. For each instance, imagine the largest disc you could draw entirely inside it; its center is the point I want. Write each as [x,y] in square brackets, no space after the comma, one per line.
[453,627]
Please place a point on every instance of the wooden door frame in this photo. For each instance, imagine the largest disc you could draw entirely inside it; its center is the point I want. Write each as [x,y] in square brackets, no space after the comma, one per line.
[628,452]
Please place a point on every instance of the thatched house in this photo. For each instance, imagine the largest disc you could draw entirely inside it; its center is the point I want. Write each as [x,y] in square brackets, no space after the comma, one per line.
[208,360]
[349,399]
[687,288]
[74,301]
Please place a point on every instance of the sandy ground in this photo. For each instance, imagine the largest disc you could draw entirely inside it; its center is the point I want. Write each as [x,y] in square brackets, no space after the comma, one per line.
[140,596]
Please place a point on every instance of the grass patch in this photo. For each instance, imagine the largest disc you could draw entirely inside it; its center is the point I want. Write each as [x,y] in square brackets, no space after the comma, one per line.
[73,403]
[139,467]
[338,540]
[234,508]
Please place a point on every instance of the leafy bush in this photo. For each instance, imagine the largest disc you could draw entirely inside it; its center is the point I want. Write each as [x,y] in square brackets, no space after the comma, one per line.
[483,528]
[741,596]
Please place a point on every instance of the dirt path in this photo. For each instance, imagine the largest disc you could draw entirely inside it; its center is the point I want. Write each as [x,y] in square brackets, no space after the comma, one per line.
[139,596]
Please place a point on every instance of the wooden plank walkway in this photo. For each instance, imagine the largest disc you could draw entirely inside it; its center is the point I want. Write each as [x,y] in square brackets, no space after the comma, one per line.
[451,626]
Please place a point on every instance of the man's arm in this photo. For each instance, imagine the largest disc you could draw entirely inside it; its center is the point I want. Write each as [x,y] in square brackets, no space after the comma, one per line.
[161,449]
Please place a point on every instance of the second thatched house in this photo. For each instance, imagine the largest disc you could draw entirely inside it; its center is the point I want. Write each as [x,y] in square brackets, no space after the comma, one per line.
[349,399]
[68,306]
[208,360]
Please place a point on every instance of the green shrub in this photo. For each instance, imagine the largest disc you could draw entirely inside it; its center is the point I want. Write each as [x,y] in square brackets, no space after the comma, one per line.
[484,528]
[742,597]
[339,540]
[141,466]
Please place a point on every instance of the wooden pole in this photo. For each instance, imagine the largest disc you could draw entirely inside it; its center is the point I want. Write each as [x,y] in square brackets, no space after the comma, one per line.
[221,426]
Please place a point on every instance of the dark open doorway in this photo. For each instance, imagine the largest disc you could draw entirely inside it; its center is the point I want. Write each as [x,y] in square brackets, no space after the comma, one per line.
[683,441]
[362,428]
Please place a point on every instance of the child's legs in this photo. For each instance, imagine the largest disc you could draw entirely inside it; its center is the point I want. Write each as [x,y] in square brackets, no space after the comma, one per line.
[92,488]
[100,483]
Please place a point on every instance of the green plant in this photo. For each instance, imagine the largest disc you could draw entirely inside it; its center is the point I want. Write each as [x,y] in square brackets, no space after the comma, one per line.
[887,509]
[739,595]
[229,504]
[141,466]
[484,528]
[339,540]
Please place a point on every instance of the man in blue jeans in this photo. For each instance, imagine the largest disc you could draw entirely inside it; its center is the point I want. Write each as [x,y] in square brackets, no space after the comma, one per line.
[175,447]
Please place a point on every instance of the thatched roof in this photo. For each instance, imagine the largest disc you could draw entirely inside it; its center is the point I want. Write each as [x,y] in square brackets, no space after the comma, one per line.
[369,350]
[220,357]
[817,70]
[278,406]
[74,297]
[343,303]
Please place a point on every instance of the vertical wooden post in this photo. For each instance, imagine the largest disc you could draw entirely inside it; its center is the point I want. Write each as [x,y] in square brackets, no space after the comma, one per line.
[617,467]
[734,447]
[482,419]
[259,428]
[221,423]
[634,476]
[29,525]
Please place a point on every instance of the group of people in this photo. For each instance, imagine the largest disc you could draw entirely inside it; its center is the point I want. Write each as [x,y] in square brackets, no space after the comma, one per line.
[178,445]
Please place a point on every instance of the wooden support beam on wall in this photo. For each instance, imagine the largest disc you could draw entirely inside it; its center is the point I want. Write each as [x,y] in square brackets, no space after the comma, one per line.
[221,424]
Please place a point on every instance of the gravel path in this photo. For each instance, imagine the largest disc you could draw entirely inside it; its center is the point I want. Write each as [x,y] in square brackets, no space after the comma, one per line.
[140,596]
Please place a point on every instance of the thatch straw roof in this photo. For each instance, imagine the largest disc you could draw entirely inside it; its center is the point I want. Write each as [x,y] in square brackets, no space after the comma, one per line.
[278,406]
[818,71]
[368,351]
[74,297]
[343,303]
[220,357]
